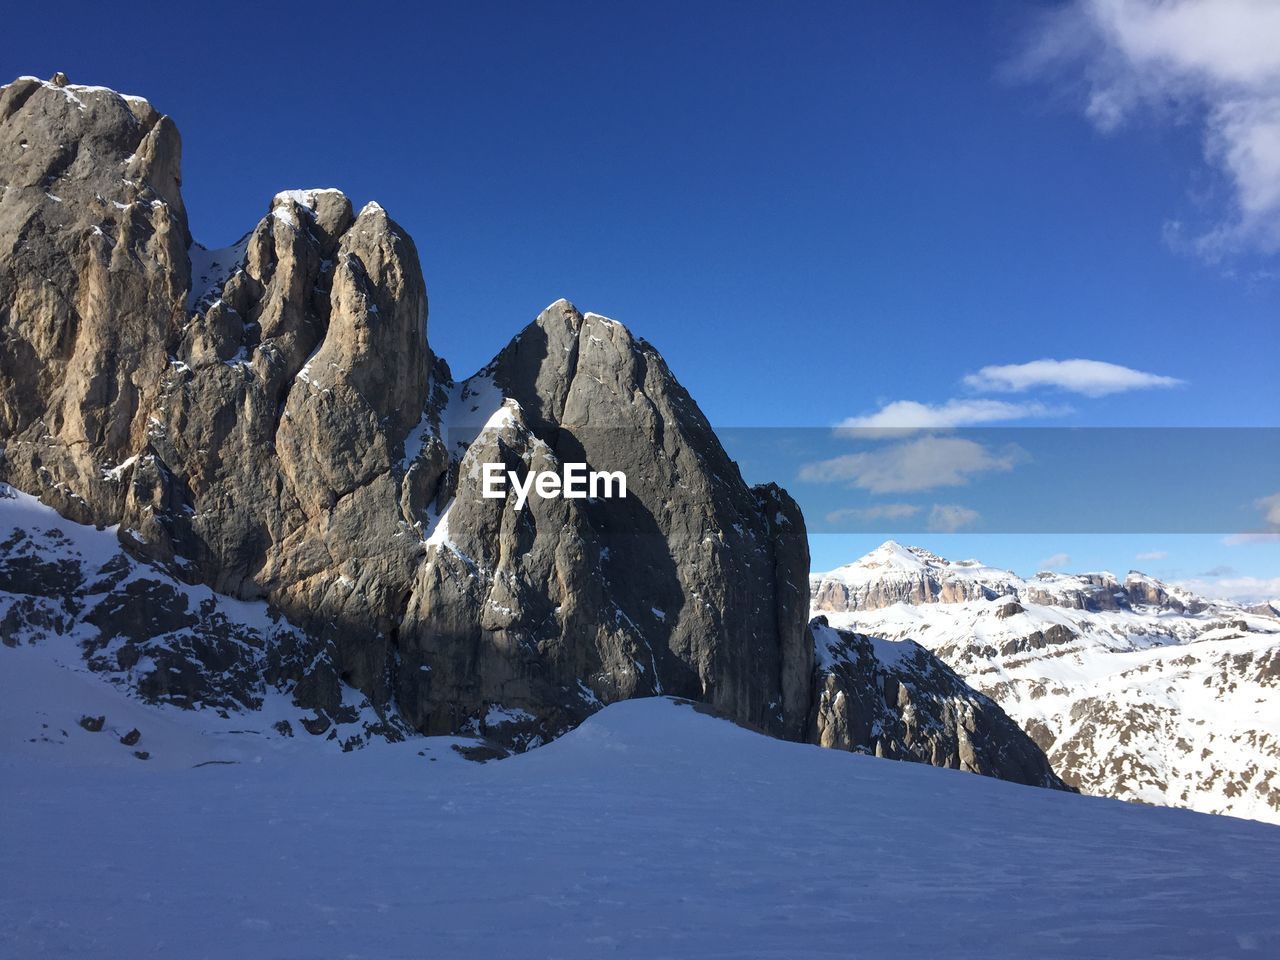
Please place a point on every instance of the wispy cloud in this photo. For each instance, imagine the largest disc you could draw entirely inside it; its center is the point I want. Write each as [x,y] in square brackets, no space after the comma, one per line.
[1269,507]
[1216,62]
[912,415]
[949,517]
[921,464]
[1055,562]
[1152,555]
[1239,539]
[1239,589]
[1092,378]
[1221,570]
[883,511]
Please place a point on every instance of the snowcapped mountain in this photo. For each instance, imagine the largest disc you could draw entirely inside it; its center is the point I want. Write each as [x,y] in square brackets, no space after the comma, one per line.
[74,593]
[896,699]
[270,420]
[1134,688]
[129,628]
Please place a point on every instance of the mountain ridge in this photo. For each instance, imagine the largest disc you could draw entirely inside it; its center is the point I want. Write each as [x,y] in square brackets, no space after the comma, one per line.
[1134,688]
[282,441]
[268,421]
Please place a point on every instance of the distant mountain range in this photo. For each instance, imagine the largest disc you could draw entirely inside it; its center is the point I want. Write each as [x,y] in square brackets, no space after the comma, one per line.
[1134,688]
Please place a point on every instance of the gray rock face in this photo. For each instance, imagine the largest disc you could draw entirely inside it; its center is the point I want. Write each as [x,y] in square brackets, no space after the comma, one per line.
[897,700]
[1109,677]
[270,420]
[93,265]
[893,574]
[164,641]
[724,612]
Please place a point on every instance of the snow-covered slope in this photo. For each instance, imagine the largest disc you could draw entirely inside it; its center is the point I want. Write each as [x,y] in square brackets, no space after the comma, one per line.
[1135,689]
[136,828]
[651,831]
[896,699]
[100,613]
[91,612]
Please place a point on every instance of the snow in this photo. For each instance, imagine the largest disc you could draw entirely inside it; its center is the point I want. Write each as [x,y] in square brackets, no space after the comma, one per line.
[893,562]
[305,198]
[116,474]
[652,830]
[826,643]
[46,675]
[439,535]
[473,406]
[498,715]
[417,438]
[284,215]
[1149,703]
[20,510]
[438,528]
[892,653]
[210,270]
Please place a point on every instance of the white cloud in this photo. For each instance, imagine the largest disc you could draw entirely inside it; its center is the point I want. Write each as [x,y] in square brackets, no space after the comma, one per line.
[1270,507]
[1152,555]
[1239,589]
[1093,378]
[921,464]
[1239,539]
[884,511]
[912,415]
[1216,62]
[1055,562]
[948,517]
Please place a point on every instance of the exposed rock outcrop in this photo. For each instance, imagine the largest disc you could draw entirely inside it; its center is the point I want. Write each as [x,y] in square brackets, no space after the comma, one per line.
[93,269]
[268,423]
[1135,689]
[270,420]
[897,700]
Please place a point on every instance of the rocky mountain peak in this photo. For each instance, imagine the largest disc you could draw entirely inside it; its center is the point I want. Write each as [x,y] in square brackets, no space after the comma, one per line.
[1134,688]
[269,419]
[893,573]
[896,699]
[93,247]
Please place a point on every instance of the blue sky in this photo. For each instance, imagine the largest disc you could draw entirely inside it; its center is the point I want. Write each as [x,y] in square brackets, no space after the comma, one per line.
[812,216]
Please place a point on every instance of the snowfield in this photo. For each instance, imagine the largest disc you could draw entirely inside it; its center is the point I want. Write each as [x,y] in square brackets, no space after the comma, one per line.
[1133,688]
[653,830]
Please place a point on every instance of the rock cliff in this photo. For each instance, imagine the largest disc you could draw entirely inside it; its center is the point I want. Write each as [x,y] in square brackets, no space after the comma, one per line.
[1133,688]
[267,425]
[270,420]
[895,699]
